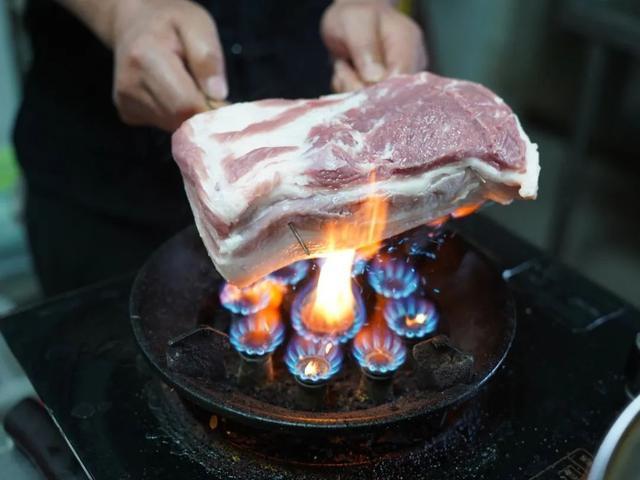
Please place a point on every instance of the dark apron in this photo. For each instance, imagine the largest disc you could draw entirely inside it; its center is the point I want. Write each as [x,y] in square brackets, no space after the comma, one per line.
[102,195]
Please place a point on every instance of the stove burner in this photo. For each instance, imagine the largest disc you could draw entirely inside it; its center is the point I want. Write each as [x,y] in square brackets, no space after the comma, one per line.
[411,317]
[248,300]
[301,309]
[379,351]
[175,292]
[291,274]
[313,362]
[257,334]
[392,277]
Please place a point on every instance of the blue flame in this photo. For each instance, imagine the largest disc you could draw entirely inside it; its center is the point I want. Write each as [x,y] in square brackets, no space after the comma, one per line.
[420,250]
[300,303]
[257,334]
[359,266]
[301,351]
[291,274]
[411,317]
[392,278]
[248,300]
[379,351]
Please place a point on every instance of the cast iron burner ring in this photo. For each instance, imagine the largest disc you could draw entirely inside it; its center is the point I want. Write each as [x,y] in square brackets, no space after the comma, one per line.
[175,295]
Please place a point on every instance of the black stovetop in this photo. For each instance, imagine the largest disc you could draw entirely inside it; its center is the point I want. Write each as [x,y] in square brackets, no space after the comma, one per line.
[542,415]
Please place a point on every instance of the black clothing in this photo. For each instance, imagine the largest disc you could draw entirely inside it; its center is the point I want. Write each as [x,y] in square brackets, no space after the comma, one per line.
[99,188]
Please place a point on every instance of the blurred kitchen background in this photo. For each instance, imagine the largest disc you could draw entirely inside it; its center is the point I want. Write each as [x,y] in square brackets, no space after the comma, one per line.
[568,68]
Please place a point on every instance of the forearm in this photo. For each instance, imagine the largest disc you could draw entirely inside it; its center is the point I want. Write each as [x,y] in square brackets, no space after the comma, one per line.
[97,15]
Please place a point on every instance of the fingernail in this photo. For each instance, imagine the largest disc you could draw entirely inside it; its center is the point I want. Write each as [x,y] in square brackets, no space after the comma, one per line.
[216,87]
[373,71]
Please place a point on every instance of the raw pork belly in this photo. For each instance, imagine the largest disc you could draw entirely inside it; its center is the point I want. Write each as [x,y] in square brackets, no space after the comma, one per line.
[434,144]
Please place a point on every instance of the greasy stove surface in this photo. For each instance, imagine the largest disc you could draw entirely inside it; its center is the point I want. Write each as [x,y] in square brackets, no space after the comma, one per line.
[542,416]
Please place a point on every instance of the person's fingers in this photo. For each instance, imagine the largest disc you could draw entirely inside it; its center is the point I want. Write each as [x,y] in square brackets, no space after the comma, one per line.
[173,89]
[403,44]
[332,32]
[345,79]
[136,106]
[203,53]
[362,38]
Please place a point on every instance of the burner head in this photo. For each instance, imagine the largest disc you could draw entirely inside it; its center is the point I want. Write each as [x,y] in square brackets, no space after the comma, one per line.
[257,334]
[301,314]
[248,300]
[291,274]
[392,277]
[313,362]
[411,317]
[379,351]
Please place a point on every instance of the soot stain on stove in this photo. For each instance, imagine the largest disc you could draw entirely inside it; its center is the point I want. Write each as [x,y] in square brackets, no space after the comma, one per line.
[232,449]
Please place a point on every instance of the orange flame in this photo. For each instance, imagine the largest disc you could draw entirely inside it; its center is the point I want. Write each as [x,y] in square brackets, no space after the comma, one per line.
[333,308]
[466,210]
[419,319]
[459,212]
[365,226]
[314,367]
[333,305]
[375,324]
[277,294]
[373,212]
[266,322]
[254,293]
[438,222]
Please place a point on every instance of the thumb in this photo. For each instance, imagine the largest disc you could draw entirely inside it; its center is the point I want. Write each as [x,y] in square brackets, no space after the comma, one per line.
[365,46]
[203,54]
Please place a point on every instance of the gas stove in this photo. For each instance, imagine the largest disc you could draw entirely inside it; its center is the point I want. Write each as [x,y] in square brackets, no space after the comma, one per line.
[541,415]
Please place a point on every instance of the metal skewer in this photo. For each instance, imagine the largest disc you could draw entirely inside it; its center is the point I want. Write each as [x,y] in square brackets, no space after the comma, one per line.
[299,238]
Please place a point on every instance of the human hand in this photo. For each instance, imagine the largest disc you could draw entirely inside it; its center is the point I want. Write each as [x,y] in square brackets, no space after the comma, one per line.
[168,59]
[370,41]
